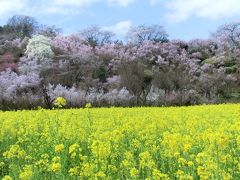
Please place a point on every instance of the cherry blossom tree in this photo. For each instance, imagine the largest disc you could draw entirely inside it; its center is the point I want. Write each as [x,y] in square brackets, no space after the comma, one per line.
[142,33]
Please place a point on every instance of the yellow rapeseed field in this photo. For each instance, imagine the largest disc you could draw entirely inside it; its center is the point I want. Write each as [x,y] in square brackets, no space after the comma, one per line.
[199,142]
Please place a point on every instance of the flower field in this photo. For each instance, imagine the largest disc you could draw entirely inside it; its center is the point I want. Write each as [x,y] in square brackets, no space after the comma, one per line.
[198,142]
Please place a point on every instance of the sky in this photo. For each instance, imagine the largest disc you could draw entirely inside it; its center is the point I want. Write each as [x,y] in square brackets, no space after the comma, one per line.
[182,19]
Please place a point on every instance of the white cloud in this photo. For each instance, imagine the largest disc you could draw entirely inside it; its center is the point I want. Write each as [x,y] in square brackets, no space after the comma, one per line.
[154,2]
[123,3]
[76,6]
[181,10]
[83,3]
[64,7]
[8,6]
[60,10]
[120,29]
[72,3]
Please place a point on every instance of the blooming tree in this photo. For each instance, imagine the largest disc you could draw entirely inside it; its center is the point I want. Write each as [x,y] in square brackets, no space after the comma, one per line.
[39,46]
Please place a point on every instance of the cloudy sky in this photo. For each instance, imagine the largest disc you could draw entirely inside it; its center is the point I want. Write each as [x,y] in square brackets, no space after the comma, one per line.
[183,19]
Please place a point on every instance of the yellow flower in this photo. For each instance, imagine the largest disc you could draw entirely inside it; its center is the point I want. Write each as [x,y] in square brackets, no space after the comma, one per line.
[59,148]
[180,173]
[2,164]
[7,177]
[146,160]
[128,155]
[158,175]
[185,177]
[56,159]
[112,168]
[134,172]
[227,176]
[45,156]
[136,143]
[126,163]
[60,102]
[42,164]
[74,171]
[187,147]
[15,151]
[87,170]
[55,167]
[176,154]
[203,172]
[100,149]
[199,142]
[100,174]
[190,163]
[182,161]
[27,173]
[73,150]
[88,105]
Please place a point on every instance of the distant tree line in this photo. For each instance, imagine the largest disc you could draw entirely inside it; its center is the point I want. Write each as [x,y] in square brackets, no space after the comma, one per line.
[38,64]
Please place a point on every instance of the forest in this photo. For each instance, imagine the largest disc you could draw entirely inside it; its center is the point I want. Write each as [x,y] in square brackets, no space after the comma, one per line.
[39,63]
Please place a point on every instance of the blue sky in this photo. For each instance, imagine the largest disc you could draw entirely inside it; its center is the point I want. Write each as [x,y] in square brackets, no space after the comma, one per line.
[182,19]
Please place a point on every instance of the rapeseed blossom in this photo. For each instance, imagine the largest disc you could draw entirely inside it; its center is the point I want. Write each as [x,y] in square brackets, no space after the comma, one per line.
[199,142]
[55,167]
[7,177]
[59,148]
[60,102]
[27,173]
